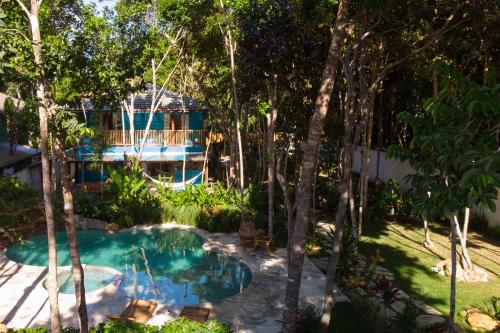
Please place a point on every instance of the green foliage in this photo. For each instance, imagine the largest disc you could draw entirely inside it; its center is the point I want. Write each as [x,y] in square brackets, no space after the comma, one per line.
[66,125]
[490,307]
[454,146]
[178,326]
[406,321]
[214,208]
[90,205]
[129,199]
[20,122]
[388,199]
[19,206]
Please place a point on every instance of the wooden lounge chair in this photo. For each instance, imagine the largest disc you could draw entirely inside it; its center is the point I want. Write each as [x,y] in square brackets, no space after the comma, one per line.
[139,311]
[196,313]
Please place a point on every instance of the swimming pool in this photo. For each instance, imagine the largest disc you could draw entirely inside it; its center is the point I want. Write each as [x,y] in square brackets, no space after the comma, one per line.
[167,264]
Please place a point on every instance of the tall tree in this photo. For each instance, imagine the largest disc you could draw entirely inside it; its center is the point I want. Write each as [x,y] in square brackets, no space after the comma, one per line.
[33,16]
[303,197]
[454,150]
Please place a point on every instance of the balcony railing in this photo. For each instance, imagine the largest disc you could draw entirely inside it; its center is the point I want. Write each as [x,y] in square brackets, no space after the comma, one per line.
[155,137]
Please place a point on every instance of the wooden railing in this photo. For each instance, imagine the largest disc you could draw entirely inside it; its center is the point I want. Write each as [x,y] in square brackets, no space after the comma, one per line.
[160,138]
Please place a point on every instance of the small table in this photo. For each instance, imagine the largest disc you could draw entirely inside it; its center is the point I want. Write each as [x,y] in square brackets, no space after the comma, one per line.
[247,239]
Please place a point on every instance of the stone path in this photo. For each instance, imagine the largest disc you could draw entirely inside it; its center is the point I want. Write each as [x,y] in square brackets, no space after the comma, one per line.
[257,308]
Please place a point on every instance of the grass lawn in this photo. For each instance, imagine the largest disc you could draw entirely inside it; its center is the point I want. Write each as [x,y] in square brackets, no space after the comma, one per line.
[401,250]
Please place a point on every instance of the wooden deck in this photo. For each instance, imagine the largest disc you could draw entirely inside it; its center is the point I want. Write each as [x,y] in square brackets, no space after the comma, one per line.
[155,137]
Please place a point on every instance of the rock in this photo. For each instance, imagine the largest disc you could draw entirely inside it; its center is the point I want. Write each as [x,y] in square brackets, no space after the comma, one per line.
[444,268]
[112,227]
[86,223]
[426,320]
[480,320]
[3,328]
[476,275]
[460,271]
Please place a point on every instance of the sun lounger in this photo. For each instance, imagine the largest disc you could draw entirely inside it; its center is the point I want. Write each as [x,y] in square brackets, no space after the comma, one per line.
[196,313]
[138,311]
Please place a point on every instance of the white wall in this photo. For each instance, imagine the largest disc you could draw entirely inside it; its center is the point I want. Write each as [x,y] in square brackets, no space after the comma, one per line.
[29,175]
[390,168]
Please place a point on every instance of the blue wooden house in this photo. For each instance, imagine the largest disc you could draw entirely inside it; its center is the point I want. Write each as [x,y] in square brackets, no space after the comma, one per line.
[175,145]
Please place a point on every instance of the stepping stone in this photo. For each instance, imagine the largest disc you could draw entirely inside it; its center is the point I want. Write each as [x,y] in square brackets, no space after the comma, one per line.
[426,320]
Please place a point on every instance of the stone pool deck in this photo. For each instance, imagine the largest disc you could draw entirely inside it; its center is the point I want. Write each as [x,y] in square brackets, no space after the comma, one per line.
[258,308]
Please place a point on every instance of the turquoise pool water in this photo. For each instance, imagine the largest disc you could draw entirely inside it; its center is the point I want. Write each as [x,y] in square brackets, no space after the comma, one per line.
[169,265]
[95,279]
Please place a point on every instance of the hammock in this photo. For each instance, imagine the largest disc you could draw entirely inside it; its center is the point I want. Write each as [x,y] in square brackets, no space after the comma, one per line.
[172,185]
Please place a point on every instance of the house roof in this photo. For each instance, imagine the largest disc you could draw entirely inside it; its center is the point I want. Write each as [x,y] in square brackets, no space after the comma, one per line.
[169,101]
[21,153]
[3,99]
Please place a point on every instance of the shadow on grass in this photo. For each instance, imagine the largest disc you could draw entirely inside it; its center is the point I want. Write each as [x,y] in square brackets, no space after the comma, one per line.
[408,269]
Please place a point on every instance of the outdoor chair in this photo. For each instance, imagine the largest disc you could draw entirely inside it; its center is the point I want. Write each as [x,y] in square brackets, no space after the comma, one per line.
[195,313]
[263,241]
[139,311]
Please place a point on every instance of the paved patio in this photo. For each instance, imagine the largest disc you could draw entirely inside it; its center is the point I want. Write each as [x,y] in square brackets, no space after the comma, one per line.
[258,308]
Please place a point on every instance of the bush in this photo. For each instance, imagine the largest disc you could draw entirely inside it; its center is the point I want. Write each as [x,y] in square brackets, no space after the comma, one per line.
[20,206]
[215,209]
[90,205]
[130,201]
[181,325]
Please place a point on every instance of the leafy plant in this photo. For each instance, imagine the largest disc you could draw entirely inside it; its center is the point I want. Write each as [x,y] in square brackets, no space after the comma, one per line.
[388,199]
[406,321]
[385,289]
[20,207]
[490,307]
[120,326]
[130,201]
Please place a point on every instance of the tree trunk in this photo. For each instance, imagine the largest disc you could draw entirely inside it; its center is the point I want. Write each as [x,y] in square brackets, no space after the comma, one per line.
[465,254]
[230,48]
[453,281]
[76,266]
[271,122]
[303,198]
[367,110]
[466,224]
[427,235]
[55,320]
[344,203]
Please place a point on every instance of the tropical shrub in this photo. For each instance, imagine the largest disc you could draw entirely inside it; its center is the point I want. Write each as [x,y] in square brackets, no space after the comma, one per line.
[90,205]
[388,199]
[179,326]
[490,307]
[215,208]
[20,207]
[128,198]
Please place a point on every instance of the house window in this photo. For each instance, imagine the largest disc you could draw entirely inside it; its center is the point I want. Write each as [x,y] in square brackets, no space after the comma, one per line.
[181,121]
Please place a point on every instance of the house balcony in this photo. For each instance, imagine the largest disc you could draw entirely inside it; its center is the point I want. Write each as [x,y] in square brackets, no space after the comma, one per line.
[162,138]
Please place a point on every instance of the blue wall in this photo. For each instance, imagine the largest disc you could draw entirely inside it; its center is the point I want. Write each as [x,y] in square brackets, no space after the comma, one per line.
[141,120]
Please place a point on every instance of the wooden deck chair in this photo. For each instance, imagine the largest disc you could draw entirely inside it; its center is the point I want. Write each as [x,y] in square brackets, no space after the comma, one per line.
[139,311]
[196,313]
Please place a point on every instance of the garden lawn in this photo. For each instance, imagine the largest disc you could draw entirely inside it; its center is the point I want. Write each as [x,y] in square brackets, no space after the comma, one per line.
[401,251]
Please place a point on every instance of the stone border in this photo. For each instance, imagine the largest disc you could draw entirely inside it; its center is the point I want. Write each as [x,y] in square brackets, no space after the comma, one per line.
[90,296]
